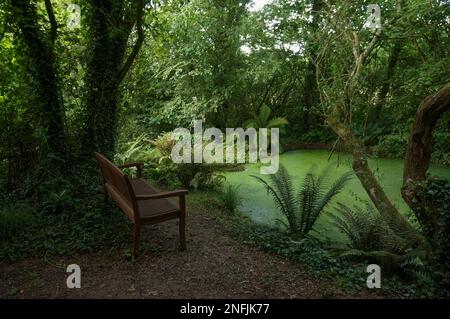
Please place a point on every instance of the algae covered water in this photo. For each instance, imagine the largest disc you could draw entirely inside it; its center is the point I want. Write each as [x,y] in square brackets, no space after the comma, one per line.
[260,207]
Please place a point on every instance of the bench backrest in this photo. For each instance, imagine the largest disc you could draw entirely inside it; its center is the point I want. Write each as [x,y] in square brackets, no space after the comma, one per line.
[117,183]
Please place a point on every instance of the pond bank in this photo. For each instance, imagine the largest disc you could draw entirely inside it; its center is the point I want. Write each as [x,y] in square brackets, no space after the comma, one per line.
[260,207]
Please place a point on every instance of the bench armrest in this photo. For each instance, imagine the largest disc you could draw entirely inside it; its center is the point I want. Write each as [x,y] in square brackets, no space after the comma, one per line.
[137,165]
[175,193]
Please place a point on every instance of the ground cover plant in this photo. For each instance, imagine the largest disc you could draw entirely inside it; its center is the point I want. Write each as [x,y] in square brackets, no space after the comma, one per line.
[367,102]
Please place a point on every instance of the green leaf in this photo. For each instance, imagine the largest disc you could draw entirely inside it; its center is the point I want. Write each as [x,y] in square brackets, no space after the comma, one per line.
[277,122]
[264,115]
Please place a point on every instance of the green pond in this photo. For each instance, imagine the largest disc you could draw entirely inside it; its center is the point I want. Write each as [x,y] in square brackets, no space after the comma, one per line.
[260,207]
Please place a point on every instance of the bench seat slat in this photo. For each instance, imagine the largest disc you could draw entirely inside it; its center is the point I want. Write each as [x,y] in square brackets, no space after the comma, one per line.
[154,207]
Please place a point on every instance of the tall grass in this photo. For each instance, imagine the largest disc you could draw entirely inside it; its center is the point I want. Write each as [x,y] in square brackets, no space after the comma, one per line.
[230,197]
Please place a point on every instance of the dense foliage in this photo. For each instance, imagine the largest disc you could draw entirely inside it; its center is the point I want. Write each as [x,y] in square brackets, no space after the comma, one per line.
[437,191]
[132,71]
[373,237]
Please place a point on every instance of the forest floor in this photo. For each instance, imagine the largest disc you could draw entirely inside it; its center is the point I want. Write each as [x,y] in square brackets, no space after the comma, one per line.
[215,265]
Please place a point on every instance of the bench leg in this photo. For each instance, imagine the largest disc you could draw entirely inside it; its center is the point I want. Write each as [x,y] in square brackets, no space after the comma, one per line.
[182,234]
[136,238]
[105,192]
[108,207]
[182,225]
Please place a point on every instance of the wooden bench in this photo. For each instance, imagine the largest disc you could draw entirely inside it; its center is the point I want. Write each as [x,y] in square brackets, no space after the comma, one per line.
[142,203]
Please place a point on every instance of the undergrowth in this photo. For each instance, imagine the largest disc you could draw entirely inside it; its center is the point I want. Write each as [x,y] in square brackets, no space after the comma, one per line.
[96,227]
[319,257]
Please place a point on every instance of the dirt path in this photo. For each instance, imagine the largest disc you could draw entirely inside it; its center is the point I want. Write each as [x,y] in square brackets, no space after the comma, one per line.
[214,266]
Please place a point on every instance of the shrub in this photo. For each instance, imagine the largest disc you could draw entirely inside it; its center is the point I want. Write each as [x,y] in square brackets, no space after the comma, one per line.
[188,175]
[434,199]
[164,144]
[263,120]
[230,197]
[441,148]
[134,151]
[374,238]
[89,229]
[392,145]
[15,218]
[318,135]
[302,211]
[199,176]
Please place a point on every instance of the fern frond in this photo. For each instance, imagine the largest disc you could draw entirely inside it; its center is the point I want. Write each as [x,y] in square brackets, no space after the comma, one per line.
[279,199]
[369,231]
[320,203]
[303,210]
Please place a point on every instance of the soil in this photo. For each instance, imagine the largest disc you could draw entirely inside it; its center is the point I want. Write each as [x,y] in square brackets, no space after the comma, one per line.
[214,266]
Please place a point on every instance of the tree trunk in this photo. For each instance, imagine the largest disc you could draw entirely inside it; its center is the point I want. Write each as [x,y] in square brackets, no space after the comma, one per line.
[310,96]
[418,152]
[110,23]
[417,161]
[43,65]
[365,174]
[311,91]
[392,63]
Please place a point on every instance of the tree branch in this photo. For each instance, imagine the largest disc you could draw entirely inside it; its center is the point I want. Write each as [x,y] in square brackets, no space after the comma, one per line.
[385,87]
[267,92]
[360,59]
[137,46]
[52,18]
[418,152]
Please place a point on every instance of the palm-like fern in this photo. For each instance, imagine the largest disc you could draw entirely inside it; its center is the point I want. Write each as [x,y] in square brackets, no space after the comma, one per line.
[263,120]
[372,236]
[304,208]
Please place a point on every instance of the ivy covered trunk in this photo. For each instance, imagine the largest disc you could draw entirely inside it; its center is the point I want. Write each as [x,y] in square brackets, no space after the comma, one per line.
[42,66]
[429,198]
[110,23]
